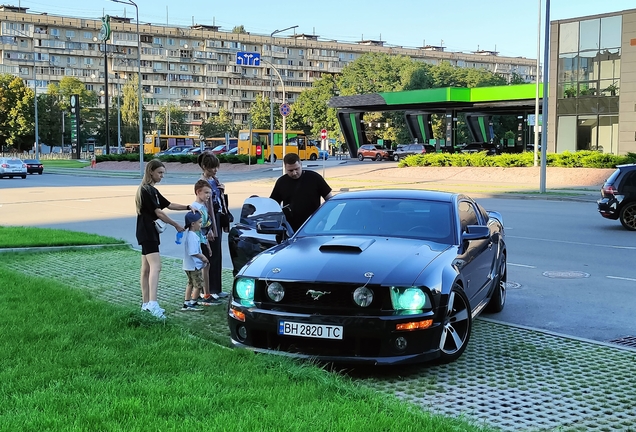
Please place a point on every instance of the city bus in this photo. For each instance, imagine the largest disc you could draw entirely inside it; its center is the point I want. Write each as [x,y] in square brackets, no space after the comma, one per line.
[297,142]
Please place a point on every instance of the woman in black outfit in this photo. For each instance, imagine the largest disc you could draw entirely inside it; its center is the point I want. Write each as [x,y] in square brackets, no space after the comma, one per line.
[150,204]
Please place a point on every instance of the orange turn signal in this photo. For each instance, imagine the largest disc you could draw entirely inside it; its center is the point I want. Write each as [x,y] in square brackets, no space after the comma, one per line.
[237,314]
[415,325]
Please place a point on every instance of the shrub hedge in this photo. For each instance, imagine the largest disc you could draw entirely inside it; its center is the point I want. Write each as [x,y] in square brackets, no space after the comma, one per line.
[134,157]
[580,159]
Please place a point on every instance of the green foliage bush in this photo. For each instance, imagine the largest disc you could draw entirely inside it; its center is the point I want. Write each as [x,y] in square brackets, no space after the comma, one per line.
[134,157]
[580,159]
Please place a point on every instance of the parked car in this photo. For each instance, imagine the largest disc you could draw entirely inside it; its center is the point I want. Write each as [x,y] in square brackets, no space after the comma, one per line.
[12,167]
[221,148]
[373,277]
[197,150]
[374,151]
[175,150]
[231,151]
[34,166]
[618,196]
[489,148]
[410,149]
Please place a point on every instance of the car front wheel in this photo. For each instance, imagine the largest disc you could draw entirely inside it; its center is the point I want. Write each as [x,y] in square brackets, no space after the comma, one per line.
[396,158]
[498,298]
[360,157]
[628,216]
[378,157]
[457,324]
[312,157]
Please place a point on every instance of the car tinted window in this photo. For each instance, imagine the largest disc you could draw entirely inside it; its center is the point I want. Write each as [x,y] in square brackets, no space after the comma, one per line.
[629,184]
[467,215]
[420,219]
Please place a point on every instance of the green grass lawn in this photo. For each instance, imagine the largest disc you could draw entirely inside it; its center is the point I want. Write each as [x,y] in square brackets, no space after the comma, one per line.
[74,362]
[64,163]
[16,237]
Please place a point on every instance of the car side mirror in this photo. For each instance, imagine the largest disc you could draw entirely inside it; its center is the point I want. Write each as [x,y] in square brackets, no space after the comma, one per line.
[270,227]
[476,232]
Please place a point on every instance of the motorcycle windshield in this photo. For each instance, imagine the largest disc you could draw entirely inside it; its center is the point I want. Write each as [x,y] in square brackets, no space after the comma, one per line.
[260,209]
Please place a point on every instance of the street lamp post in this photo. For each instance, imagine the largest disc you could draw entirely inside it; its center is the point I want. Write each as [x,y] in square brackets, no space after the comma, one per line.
[544,127]
[141,126]
[271,98]
[282,83]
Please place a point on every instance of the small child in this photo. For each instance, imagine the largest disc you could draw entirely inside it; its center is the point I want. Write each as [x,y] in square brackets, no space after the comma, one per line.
[193,260]
[202,192]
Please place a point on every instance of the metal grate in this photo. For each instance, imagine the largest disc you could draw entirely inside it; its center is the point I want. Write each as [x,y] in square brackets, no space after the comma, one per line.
[629,341]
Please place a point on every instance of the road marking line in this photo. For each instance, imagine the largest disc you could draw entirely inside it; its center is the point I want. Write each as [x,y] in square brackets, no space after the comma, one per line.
[522,265]
[575,243]
[621,278]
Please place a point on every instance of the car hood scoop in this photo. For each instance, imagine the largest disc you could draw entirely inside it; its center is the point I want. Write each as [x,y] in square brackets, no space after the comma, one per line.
[348,244]
[346,260]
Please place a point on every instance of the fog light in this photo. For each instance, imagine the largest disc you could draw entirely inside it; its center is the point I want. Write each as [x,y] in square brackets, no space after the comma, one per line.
[363,296]
[241,331]
[275,291]
[400,343]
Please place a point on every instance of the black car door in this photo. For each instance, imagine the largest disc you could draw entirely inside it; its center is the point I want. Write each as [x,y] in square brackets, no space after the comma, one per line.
[477,255]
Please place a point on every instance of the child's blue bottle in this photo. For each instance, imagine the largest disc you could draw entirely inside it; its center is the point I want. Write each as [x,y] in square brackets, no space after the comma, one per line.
[179,237]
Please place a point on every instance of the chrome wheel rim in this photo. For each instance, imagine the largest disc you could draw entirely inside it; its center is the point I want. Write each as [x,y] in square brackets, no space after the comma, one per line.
[456,325]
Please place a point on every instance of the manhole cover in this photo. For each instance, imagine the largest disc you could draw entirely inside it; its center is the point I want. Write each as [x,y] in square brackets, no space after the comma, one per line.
[629,341]
[512,285]
[566,274]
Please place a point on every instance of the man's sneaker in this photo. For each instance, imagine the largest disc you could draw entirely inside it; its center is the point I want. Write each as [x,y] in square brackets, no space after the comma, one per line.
[210,301]
[222,295]
[191,308]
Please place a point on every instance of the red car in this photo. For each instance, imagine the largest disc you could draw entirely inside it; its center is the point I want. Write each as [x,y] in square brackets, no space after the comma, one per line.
[222,148]
[374,151]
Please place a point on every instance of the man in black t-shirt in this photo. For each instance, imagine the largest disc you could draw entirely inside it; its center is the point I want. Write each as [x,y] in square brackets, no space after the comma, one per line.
[299,191]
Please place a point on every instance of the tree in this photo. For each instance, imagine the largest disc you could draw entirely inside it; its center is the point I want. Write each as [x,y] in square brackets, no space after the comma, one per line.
[17,115]
[259,113]
[239,29]
[91,118]
[218,125]
[178,117]
[130,113]
[310,112]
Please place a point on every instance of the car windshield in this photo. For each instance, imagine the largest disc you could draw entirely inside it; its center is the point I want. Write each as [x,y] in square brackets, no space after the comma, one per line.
[419,219]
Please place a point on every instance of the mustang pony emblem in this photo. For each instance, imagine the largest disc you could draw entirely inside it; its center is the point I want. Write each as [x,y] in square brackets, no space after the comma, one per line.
[317,294]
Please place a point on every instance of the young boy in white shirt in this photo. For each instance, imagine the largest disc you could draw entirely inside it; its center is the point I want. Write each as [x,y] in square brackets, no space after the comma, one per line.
[193,259]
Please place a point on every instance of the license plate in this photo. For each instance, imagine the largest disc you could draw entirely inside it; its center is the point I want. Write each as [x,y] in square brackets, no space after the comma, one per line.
[319,331]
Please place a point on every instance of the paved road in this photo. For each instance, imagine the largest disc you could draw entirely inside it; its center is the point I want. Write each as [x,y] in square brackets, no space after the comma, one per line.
[567,238]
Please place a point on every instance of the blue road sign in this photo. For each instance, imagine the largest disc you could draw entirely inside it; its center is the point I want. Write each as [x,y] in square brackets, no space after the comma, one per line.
[248,58]
[285,110]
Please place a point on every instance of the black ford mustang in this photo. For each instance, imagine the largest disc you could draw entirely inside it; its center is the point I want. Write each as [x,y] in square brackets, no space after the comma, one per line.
[377,277]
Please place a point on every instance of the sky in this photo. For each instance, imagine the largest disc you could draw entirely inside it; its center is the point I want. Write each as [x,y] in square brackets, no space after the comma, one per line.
[507,26]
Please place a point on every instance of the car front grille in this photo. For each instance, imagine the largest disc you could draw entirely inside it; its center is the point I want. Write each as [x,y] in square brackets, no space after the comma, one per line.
[326,298]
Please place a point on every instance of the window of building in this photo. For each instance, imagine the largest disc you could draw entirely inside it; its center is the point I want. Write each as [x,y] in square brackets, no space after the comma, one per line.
[158,90]
[157,40]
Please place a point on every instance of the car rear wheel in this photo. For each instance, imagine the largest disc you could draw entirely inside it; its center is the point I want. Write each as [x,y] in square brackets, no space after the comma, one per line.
[378,157]
[628,216]
[360,157]
[23,176]
[498,298]
[40,173]
[312,157]
[396,158]
[457,324]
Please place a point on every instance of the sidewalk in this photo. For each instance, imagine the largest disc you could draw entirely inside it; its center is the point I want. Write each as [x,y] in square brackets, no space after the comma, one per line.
[513,378]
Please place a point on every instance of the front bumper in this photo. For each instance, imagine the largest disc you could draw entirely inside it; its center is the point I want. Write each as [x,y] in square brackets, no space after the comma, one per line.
[366,339]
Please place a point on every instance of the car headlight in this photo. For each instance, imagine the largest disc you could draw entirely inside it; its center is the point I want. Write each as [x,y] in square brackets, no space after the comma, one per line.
[410,298]
[245,289]
[275,291]
[363,296]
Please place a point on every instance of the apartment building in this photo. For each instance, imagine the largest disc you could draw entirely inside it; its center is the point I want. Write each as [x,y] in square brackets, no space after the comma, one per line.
[195,67]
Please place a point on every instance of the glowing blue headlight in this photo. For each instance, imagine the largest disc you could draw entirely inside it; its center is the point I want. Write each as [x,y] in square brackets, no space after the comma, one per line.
[245,288]
[411,298]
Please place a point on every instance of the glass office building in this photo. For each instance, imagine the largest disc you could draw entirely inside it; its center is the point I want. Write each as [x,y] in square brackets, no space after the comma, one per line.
[593,80]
